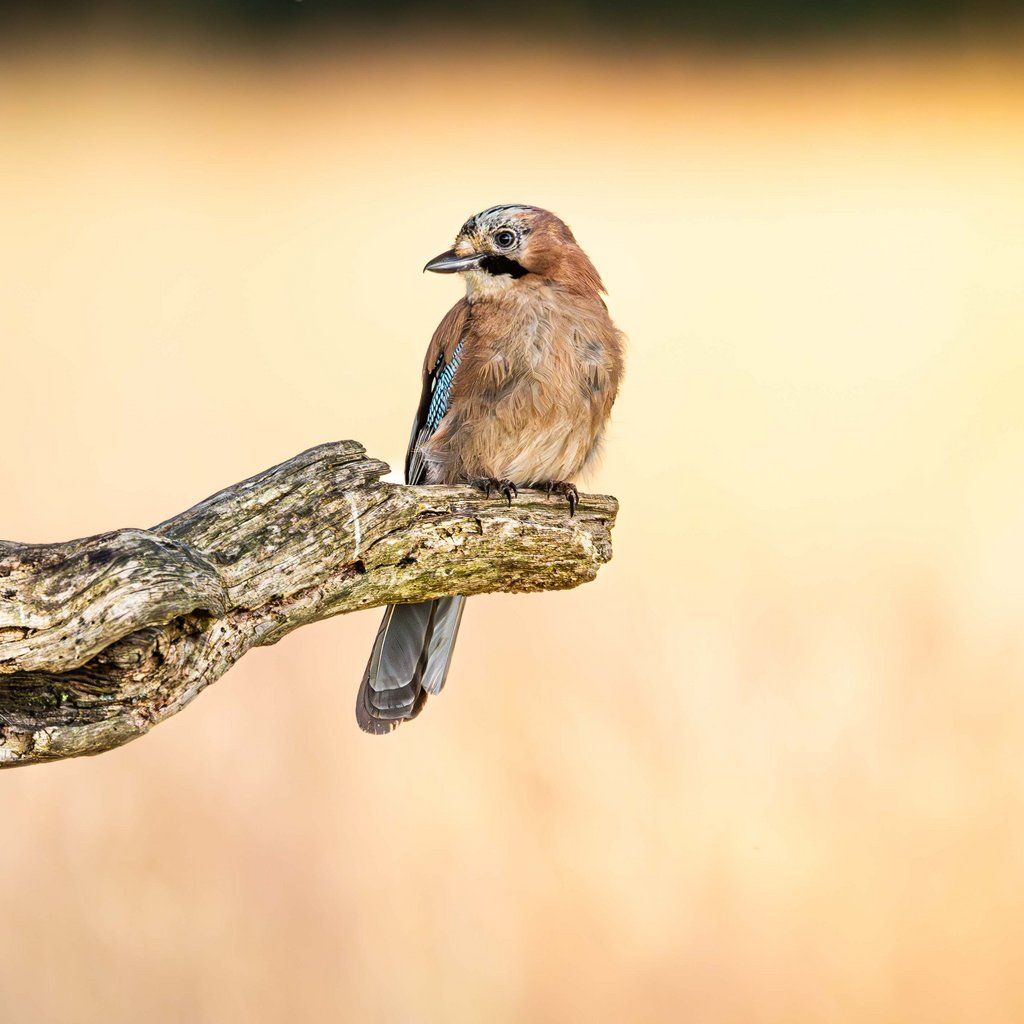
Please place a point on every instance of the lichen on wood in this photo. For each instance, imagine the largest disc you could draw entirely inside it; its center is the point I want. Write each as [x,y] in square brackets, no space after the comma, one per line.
[104,637]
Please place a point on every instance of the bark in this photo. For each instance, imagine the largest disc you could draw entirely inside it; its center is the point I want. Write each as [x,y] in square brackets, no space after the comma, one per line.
[102,638]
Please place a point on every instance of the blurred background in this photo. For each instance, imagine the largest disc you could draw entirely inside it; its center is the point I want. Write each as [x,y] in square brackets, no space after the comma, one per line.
[779,778]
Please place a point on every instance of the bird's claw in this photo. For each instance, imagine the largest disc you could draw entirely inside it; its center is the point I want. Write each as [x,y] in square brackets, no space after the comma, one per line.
[505,488]
[568,490]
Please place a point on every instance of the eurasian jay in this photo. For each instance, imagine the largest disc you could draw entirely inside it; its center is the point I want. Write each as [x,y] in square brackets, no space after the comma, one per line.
[518,382]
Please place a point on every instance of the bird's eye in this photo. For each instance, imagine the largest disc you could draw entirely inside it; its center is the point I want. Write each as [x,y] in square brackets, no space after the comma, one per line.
[504,239]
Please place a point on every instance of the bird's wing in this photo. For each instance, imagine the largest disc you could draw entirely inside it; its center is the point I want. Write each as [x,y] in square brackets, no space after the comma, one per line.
[439,368]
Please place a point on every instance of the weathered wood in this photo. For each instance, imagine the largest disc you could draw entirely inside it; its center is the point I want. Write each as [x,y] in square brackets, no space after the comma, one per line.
[102,638]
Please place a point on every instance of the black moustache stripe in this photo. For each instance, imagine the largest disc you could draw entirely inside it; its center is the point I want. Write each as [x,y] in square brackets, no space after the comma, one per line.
[498,265]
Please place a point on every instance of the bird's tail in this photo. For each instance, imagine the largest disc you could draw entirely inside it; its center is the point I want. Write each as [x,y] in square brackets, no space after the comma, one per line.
[409,661]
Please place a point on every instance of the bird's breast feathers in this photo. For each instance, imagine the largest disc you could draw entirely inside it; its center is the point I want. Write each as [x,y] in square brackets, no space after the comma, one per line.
[535,383]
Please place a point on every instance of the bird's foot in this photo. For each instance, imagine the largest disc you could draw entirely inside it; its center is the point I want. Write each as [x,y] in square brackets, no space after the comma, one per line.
[505,488]
[567,489]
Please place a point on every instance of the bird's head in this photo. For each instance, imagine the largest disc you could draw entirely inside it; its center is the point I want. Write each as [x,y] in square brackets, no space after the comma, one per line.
[508,247]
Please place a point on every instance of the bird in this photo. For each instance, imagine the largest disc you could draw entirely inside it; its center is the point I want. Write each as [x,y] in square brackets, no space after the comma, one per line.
[518,383]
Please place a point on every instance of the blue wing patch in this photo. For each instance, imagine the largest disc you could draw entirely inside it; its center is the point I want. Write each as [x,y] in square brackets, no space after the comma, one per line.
[442,391]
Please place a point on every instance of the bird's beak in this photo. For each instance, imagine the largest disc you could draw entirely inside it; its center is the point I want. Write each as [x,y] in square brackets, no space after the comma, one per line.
[451,263]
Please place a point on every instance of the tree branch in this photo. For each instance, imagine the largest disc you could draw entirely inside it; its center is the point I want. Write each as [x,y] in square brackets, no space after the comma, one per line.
[102,638]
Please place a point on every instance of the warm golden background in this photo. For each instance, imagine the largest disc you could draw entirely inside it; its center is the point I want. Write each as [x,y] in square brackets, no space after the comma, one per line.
[770,766]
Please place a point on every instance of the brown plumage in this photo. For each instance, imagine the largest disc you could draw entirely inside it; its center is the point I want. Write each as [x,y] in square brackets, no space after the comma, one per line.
[518,383]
